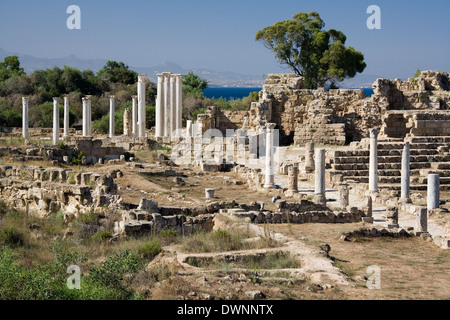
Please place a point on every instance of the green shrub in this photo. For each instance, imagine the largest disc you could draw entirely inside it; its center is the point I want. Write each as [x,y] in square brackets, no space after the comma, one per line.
[77,159]
[169,233]
[101,235]
[11,236]
[150,249]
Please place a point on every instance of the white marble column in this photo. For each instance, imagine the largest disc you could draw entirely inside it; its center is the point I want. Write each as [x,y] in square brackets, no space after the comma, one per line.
[373,161]
[112,109]
[89,117]
[55,121]
[405,175]
[188,128]
[25,117]
[319,181]
[85,116]
[173,107]
[166,104]
[141,105]
[134,117]
[159,115]
[179,101]
[270,178]
[66,116]
[433,191]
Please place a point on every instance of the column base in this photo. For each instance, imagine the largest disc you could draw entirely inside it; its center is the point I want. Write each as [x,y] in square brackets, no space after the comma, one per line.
[320,198]
[405,200]
[393,226]
[271,185]
[367,220]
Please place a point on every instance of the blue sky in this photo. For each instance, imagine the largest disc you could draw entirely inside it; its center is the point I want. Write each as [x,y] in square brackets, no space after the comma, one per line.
[219,34]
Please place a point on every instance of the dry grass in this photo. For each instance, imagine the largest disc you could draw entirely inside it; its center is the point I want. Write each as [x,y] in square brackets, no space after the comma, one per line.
[410,267]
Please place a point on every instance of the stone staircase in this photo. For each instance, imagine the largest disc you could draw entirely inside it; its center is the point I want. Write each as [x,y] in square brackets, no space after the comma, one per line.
[428,155]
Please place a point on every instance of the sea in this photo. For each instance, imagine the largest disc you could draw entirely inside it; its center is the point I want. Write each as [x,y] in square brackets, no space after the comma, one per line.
[231,93]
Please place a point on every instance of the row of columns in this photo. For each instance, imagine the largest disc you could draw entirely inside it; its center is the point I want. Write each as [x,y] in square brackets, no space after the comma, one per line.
[169,105]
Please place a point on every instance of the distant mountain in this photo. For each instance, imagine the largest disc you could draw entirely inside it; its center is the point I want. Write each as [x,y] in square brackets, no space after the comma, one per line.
[215,78]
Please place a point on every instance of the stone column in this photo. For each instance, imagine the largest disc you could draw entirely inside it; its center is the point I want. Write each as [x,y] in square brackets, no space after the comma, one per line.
[433,191]
[66,116]
[141,105]
[319,181]
[55,121]
[343,195]
[392,217]
[421,220]
[309,157]
[405,179]
[179,101]
[111,115]
[166,104]
[209,193]
[127,125]
[173,107]
[85,116]
[270,178]
[89,117]
[293,178]
[134,117]
[25,117]
[159,115]
[188,128]
[373,161]
[368,210]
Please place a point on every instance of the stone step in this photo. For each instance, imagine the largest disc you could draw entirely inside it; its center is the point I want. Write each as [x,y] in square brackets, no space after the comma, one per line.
[395,180]
[413,187]
[436,139]
[413,146]
[441,173]
[387,152]
[393,159]
[382,173]
[424,180]
[381,166]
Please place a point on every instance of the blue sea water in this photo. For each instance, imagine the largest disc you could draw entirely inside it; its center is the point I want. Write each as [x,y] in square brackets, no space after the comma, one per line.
[229,93]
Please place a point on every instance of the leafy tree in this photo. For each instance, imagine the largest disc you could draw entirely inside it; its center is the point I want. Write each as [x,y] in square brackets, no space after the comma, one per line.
[316,54]
[10,67]
[114,71]
[193,85]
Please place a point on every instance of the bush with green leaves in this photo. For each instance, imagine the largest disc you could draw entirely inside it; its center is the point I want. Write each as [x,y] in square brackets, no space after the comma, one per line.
[11,236]
[150,249]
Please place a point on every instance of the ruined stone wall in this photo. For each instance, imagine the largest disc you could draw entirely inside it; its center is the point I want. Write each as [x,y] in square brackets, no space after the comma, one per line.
[47,190]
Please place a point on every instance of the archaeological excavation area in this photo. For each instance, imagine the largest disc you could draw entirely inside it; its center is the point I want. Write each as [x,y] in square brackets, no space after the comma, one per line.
[309,194]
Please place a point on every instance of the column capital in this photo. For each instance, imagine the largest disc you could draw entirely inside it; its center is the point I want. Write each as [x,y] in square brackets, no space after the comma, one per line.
[55,99]
[25,99]
[270,126]
[142,77]
[112,97]
[172,78]
[166,74]
[373,133]
[134,97]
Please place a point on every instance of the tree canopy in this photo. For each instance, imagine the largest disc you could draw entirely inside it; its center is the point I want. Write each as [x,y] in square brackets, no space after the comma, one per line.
[193,85]
[10,67]
[117,72]
[320,56]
